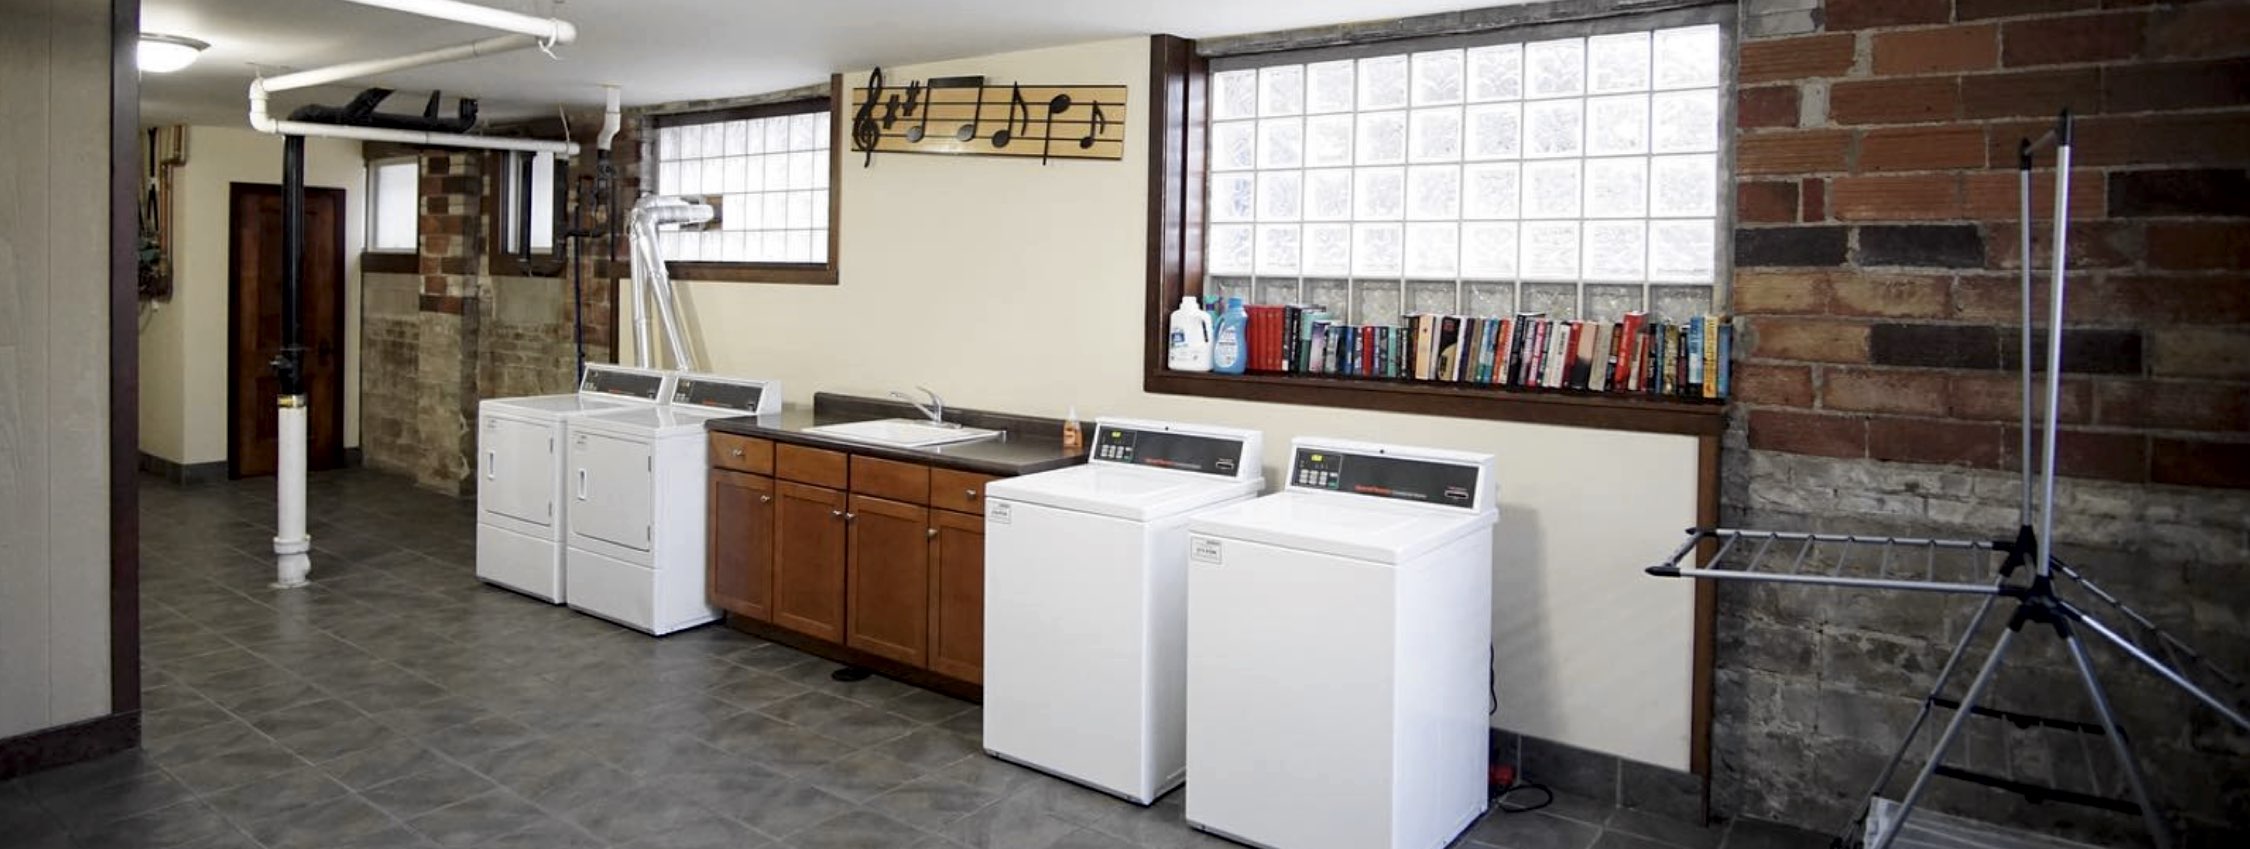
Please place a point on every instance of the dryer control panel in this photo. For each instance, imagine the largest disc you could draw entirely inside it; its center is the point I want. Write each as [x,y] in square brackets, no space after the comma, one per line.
[1382,475]
[754,397]
[623,383]
[1162,446]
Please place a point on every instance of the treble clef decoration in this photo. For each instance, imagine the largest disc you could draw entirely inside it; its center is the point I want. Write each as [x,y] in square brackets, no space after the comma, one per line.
[865,132]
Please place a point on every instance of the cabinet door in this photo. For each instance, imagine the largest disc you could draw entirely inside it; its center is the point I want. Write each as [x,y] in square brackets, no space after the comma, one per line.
[957,595]
[808,560]
[890,579]
[741,543]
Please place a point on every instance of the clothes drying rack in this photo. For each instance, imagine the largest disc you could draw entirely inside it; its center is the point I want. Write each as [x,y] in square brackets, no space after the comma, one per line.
[2029,576]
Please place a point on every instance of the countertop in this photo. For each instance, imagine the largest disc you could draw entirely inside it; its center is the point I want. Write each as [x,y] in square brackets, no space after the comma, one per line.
[1017,451]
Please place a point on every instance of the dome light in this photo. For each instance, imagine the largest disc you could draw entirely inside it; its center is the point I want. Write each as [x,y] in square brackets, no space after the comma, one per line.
[163,54]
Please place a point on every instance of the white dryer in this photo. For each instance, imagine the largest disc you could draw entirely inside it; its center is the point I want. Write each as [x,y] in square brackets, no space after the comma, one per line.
[1338,633]
[1085,603]
[636,486]
[520,509]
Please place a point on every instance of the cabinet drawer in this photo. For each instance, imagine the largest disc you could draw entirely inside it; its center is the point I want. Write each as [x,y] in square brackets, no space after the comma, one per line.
[809,465]
[906,482]
[963,491]
[741,453]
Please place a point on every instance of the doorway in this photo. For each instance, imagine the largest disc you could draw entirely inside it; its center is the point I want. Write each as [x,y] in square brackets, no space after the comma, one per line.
[254,247]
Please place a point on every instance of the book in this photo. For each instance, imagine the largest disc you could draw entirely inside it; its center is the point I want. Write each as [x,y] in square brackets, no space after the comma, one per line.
[1726,357]
[1630,327]
[1605,356]
[1710,377]
[1367,358]
[1694,355]
[1566,353]
[1465,355]
[1583,336]
[1448,346]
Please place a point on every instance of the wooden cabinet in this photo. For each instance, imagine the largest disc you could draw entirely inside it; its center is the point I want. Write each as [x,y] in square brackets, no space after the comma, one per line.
[889,582]
[741,543]
[956,601]
[808,560]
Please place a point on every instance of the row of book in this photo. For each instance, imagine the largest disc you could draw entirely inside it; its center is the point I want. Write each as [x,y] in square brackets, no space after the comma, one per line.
[1636,355]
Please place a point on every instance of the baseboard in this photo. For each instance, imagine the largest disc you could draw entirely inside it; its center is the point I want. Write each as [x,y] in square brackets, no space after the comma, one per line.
[1603,778]
[354,458]
[184,474]
[64,745]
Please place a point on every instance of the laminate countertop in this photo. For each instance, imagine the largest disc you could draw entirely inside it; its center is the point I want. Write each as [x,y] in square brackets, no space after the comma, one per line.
[1014,452]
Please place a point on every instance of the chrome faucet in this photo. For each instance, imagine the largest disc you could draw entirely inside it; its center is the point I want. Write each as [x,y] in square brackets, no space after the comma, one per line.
[935,410]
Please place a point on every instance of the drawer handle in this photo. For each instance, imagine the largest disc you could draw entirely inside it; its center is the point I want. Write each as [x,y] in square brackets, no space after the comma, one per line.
[737,452]
[851,517]
[764,498]
[972,494]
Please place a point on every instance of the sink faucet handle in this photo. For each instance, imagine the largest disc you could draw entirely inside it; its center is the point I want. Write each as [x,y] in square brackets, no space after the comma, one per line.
[937,404]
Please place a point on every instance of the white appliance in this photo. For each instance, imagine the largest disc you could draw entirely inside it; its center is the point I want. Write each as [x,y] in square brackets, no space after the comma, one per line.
[520,507]
[1085,603]
[1338,633]
[636,478]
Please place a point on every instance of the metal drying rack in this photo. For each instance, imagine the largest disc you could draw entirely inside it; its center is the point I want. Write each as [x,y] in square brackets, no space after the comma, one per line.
[1954,567]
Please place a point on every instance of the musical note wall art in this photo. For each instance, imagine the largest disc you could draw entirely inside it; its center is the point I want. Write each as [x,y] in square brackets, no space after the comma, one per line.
[967,116]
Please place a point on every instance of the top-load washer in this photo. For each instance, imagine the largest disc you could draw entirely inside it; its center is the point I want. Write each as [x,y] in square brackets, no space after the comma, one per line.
[1085,659]
[1338,639]
[520,511]
[637,497]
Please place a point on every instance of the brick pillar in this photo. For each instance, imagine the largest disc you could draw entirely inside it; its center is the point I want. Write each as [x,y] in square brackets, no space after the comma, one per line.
[446,377]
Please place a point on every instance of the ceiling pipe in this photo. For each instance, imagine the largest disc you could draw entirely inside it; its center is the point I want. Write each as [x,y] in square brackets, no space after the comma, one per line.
[612,118]
[550,30]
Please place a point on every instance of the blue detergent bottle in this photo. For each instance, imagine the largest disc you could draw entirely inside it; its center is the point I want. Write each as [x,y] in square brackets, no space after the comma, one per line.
[1231,354]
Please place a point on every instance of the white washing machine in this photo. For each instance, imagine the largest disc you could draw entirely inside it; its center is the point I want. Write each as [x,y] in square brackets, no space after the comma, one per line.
[1338,633]
[520,507]
[1085,603]
[637,489]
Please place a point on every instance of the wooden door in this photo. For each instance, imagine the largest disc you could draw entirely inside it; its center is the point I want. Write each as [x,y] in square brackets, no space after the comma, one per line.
[254,248]
[741,544]
[808,560]
[957,595]
[890,579]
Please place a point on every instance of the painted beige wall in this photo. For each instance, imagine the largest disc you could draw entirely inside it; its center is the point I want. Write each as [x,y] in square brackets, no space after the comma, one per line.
[184,344]
[1006,285]
[54,364]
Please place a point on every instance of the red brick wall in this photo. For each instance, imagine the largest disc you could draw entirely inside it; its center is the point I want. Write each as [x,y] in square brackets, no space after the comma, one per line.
[1877,241]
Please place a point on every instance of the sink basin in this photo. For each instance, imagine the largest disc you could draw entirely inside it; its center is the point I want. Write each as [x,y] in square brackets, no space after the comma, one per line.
[903,433]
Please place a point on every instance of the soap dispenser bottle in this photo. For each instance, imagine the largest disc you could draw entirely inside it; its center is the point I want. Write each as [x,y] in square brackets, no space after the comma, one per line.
[1190,348]
[1230,353]
[1073,437]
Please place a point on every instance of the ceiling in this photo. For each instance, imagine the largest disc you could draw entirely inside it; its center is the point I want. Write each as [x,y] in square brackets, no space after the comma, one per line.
[667,50]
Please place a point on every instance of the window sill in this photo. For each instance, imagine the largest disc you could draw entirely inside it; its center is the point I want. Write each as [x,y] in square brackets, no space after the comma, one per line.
[390,262]
[1564,407]
[812,274]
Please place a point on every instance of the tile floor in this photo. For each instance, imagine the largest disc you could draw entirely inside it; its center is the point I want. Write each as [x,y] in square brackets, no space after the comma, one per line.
[399,703]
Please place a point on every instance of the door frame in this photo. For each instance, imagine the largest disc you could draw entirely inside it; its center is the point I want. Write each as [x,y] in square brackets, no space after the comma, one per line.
[235,191]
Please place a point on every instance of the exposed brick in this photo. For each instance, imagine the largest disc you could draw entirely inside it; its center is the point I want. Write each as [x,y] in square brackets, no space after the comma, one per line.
[1998,398]
[1957,346]
[2203,29]
[1921,149]
[1781,292]
[1923,246]
[2085,350]
[2198,299]
[2172,405]
[2199,244]
[1971,10]
[1775,60]
[2094,300]
[2093,244]
[1992,195]
[1809,339]
[2203,138]
[2199,352]
[1936,441]
[1772,383]
[1911,198]
[1883,391]
[1863,14]
[2203,191]
[2196,462]
[2082,38]
[1814,193]
[2029,94]
[2106,455]
[1788,246]
[2146,87]
[1766,106]
[1902,101]
[1766,202]
[1792,152]
[1808,433]
[1971,47]
[1890,295]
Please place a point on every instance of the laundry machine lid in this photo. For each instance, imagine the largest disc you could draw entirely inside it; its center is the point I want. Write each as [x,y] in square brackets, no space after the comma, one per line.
[1377,530]
[646,421]
[1123,492]
[550,406]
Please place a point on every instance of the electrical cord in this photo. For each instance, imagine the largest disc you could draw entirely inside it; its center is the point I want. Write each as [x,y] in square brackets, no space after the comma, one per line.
[1500,799]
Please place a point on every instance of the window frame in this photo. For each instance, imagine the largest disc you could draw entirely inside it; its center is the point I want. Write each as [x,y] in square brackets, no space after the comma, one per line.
[805,273]
[374,201]
[503,230]
[1180,88]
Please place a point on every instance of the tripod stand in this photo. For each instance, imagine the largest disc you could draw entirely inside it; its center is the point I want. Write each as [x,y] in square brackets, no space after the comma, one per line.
[2029,577]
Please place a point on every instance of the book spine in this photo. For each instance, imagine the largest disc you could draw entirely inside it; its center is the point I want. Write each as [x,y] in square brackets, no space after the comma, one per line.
[1726,358]
[1694,355]
[1710,377]
[1605,356]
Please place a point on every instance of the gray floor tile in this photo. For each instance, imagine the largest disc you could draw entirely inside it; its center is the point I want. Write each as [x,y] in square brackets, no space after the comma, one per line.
[1011,823]
[784,808]
[931,748]
[753,689]
[332,823]
[177,825]
[481,735]
[1614,839]
[855,829]
[1761,834]
[796,751]
[255,761]
[1667,829]
[277,794]
[630,814]
[391,759]
[925,706]
[932,803]
[351,734]
[1534,830]
[440,784]
[1086,838]
[133,796]
[990,773]
[712,834]
[479,819]
[547,835]
[859,725]
[863,775]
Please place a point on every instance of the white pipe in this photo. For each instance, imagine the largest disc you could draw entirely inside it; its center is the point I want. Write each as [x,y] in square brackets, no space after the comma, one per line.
[291,546]
[353,70]
[612,117]
[546,29]
[650,276]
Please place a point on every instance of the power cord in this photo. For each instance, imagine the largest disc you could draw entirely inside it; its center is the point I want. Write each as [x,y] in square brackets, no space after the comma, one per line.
[1504,776]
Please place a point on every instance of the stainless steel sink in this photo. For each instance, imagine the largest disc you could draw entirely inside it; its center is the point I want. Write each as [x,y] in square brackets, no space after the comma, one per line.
[903,433]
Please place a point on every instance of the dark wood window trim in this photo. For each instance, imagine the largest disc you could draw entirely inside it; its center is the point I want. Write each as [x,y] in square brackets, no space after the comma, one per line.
[373,260]
[1178,82]
[774,272]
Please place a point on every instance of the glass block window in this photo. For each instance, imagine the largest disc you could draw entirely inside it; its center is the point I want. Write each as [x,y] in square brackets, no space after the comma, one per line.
[769,175]
[394,205]
[1577,176]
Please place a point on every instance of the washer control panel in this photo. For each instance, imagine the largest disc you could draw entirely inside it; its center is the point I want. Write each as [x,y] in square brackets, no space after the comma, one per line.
[1167,449]
[1404,478]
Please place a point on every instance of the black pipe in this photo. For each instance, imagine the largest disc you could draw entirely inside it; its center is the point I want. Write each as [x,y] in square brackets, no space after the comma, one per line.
[524,160]
[289,366]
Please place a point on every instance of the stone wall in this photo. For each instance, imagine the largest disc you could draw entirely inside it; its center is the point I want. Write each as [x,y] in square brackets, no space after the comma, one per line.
[1876,289]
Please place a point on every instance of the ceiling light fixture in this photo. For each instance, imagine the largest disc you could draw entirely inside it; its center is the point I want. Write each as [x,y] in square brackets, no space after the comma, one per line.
[163,54]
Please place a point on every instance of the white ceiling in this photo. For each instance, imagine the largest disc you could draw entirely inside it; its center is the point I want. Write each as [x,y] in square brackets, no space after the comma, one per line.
[668,50]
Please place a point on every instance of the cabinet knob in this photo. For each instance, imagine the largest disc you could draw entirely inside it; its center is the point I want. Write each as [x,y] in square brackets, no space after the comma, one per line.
[970,493]
[933,533]
[764,498]
[849,517]
[736,452]
[837,513]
